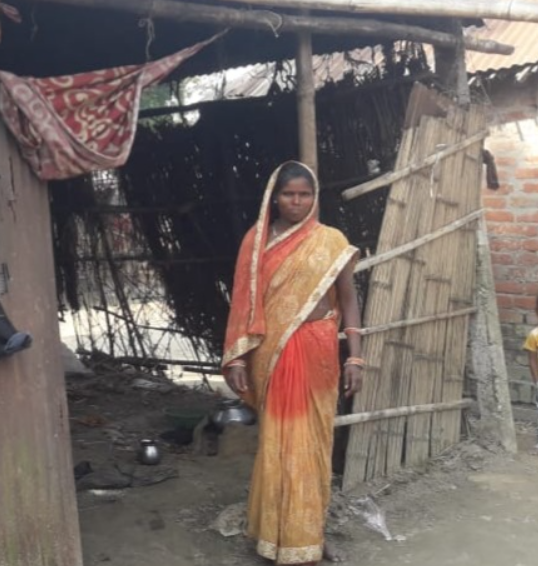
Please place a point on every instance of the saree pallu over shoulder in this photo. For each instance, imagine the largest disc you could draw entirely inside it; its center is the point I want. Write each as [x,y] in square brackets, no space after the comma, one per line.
[246,323]
[293,285]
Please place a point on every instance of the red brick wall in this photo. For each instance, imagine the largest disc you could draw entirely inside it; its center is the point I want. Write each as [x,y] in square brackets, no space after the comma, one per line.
[512,218]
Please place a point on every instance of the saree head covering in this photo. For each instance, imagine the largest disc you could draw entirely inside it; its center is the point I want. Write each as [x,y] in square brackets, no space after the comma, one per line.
[293,370]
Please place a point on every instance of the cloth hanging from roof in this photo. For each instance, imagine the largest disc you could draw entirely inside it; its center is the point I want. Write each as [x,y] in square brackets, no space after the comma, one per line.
[74,124]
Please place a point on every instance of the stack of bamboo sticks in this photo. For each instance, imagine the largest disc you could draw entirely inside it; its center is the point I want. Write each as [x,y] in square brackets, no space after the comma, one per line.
[422,363]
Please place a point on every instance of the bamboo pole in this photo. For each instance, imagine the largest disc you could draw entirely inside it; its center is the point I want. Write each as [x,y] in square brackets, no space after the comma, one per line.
[383,414]
[306,102]
[433,159]
[400,250]
[275,23]
[413,322]
[514,10]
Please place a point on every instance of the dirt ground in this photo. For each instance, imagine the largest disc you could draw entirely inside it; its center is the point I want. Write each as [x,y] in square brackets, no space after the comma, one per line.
[471,506]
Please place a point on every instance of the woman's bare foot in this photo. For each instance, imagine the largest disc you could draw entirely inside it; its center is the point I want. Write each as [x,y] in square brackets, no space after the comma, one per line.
[332,554]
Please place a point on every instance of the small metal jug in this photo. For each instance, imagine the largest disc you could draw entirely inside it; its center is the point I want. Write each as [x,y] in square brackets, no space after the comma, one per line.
[149,453]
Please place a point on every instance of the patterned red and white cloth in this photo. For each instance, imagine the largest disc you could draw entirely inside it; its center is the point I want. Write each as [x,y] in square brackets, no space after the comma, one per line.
[70,125]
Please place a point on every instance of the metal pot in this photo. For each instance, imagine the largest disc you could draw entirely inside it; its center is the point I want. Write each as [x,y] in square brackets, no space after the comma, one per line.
[149,453]
[232,411]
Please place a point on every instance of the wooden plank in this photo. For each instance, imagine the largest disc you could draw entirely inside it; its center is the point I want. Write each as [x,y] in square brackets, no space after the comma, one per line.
[38,515]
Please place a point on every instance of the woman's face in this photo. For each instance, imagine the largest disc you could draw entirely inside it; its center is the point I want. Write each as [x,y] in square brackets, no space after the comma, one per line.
[295,200]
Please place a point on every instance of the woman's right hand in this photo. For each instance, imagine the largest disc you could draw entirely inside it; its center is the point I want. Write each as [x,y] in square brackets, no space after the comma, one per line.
[237,379]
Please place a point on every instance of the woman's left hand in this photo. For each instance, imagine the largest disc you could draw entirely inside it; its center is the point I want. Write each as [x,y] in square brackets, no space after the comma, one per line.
[352,380]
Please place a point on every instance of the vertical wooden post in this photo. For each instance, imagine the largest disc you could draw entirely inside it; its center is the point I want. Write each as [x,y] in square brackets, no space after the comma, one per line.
[306,102]
[38,513]
[450,64]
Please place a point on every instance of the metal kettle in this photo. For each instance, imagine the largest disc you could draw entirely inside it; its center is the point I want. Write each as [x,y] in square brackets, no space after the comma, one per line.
[149,453]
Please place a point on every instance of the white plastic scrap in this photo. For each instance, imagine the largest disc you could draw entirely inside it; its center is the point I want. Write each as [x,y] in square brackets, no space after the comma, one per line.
[373,515]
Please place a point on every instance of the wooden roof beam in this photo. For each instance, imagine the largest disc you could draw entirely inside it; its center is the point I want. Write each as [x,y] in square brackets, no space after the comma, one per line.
[269,21]
[515,10]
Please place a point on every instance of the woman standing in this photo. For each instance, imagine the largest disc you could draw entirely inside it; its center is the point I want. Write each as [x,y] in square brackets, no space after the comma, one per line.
[293,284]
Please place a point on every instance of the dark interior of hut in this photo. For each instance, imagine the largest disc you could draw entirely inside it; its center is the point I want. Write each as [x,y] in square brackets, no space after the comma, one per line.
[190,190]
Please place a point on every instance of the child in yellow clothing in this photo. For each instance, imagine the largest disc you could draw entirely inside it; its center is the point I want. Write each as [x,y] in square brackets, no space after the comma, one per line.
[531,345]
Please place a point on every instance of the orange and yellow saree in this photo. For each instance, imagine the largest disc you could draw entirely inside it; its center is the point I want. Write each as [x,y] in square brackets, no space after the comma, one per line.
[293,369]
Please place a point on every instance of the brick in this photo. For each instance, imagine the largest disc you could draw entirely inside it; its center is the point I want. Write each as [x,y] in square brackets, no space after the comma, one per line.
[522,331]
[526,303]
[502,259]
[501,272]
[519,273]
[513,344]
[505,161]
[527,173]
[512,273]
[527,258]
[527,217]
[524,202]
[504,189]
[533,159]
[494,202]
[530,319]
[506,229]
[505,301]
[502,144]
[504,244]
[510,316]
[530,187]
[530,245]
[499,216]
[531,289]
[510,287]
[506,175]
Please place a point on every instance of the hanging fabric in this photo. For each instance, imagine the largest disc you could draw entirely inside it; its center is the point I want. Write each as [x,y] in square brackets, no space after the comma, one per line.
[74,124]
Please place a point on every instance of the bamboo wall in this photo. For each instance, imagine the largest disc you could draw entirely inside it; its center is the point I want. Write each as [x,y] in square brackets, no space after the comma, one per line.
[423,363]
